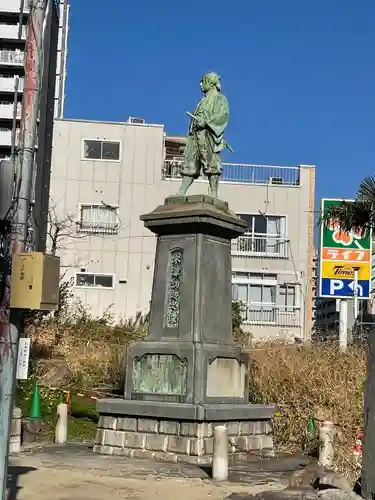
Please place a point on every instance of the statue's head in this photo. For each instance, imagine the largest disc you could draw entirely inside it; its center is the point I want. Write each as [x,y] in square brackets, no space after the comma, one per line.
[209,81]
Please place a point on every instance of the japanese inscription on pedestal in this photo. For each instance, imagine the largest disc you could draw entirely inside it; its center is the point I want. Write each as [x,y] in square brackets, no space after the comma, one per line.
[172,314]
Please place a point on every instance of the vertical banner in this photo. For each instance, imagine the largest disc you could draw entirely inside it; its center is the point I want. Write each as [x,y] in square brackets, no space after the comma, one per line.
[23,358]
[341,254]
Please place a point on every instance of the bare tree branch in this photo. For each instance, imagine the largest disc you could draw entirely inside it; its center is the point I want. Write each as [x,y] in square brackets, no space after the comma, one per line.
[60,228]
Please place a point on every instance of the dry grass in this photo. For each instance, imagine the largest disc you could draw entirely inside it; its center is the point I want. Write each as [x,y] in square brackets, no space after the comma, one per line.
[313,380]
[85,355]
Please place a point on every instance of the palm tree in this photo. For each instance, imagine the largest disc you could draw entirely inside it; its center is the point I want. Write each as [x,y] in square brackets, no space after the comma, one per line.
[357,215]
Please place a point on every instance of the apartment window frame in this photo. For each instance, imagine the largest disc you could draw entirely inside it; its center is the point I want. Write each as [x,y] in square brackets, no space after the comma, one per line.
[98,230]
[263,313]
[115,141]
[263,243]
[95,275]
[284,294]
[264,282]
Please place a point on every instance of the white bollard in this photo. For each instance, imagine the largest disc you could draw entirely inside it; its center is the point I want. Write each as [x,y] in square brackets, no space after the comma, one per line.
[220,457]
[326,438]
[61,431]
[15,433]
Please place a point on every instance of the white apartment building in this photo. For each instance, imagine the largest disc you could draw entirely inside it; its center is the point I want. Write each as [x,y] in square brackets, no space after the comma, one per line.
[13,32]
[105,175]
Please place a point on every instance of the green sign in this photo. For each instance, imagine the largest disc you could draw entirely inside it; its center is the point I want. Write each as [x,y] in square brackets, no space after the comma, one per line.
[345,259]
[333,237]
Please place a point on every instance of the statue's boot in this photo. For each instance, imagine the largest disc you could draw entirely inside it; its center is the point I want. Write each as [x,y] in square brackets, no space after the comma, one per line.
[185,184]
[213,181]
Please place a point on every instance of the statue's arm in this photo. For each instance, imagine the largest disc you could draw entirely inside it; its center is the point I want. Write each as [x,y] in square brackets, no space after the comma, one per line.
[219,116]
[200,122]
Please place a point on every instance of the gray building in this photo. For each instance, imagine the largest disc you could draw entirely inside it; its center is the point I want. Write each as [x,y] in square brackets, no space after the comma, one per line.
[13,33]
[105,175]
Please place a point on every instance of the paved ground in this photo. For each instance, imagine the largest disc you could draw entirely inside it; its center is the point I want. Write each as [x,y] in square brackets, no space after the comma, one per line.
[54,471]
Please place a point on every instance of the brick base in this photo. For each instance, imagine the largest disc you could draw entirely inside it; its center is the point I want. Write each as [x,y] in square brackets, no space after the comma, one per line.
[179,441]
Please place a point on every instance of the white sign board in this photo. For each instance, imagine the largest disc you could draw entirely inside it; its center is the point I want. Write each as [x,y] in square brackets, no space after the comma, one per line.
[23,359]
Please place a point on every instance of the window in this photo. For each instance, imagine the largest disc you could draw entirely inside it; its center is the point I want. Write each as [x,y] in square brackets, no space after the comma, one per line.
[286,297]
[101,150]
[90,280]
[264,301]
[98,219]
[265,235]
[258,292]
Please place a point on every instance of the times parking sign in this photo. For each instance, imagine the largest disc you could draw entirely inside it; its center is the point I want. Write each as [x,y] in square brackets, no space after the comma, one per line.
[341,255]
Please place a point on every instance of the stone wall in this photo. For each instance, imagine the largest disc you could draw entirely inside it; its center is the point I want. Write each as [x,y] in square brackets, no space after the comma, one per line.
[179,441]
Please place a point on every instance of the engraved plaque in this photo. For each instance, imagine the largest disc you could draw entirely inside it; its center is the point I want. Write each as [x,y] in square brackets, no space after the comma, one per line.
[226,378]
[172,308]
[160,374]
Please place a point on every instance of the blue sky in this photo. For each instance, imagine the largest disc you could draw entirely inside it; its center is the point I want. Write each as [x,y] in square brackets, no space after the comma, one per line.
[299,75]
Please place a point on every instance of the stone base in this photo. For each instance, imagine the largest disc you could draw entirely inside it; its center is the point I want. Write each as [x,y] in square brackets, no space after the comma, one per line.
[180,440]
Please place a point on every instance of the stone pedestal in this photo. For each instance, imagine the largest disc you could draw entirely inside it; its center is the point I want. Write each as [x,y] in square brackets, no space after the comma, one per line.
[187,376]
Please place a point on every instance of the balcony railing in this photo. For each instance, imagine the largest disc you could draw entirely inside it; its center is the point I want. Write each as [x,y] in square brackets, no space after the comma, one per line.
[11,31]
[14,6]
[12,57]
[8,84]
[6,137]
[7,110]
[243,173]
[276,247]
[272,315]
[102,228]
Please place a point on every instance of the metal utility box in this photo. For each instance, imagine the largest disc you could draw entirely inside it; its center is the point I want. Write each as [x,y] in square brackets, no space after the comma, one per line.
[35,281]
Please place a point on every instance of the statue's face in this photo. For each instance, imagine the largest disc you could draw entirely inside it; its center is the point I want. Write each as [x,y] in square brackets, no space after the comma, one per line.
[205,85]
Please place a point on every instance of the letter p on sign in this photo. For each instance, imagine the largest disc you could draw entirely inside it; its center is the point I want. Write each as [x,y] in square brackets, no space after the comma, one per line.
[335,285]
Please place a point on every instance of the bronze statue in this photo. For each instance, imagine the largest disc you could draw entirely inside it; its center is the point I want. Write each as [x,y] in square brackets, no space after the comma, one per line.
[206,136]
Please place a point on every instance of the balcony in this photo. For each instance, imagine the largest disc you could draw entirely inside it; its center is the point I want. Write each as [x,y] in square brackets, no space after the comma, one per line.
[11,32]
[8,84]
[271,246]
[13,6]
[102,228]
[243,173]
[271,315]
[6,137]
[98,219]
[7,111]
[11,57]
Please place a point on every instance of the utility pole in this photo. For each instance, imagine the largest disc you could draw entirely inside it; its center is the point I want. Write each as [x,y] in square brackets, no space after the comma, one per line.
[355,294]
[30,112]
[24,166]
[343,331]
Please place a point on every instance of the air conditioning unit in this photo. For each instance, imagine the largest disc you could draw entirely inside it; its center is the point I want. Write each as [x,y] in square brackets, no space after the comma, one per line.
[135,120]
[276,180]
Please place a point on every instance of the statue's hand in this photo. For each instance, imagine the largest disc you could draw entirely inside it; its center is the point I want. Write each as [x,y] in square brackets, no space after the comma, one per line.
[200,124]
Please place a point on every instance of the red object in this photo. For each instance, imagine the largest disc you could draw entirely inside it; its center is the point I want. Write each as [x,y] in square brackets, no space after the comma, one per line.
[358,443]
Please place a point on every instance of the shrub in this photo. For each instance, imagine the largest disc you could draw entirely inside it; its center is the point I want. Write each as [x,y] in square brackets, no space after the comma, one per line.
[307,380]
[79,350]
[241,337]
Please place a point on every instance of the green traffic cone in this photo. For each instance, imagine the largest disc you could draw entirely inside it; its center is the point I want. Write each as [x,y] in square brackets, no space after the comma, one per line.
[35,403]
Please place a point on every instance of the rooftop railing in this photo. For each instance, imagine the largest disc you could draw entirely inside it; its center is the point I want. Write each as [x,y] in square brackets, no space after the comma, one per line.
[243,173]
